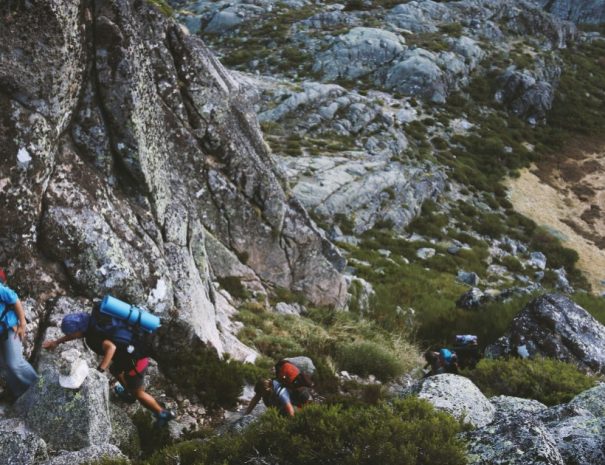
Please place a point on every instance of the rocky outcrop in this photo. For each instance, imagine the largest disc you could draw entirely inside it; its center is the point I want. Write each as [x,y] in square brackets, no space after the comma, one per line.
[67,419]
[527,432]
[458,396]
[88,455]
[580,12]
[124,142]
[19,445]
[554,326]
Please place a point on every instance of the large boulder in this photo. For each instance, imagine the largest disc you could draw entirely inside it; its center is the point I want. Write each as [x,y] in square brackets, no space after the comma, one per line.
[66,418]
[88,455]
[554,326]
[458,396]
[519,439]
[19,445]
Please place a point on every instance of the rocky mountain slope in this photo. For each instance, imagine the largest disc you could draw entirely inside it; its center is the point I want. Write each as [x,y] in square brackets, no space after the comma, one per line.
[132,166]
[338,156]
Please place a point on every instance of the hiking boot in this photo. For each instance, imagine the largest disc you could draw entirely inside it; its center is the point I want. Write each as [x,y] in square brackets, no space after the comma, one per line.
[162,418]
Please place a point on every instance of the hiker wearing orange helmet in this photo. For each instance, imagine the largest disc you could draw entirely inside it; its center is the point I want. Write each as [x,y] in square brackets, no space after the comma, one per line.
[17,372]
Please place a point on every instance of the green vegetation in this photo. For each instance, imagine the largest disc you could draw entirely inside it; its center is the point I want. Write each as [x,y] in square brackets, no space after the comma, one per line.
[551,382]
[407,432]
[200,372]
[329,338]
[369,358]
[162,6]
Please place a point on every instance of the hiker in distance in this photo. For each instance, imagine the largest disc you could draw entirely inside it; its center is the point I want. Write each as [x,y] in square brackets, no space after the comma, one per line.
[17,372]
[122,353]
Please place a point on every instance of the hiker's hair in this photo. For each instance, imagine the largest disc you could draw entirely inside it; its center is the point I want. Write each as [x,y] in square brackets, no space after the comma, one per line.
[430,356]
[262,385]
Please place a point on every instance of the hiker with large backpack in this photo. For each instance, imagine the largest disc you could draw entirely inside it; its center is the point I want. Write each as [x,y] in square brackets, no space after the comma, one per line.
[17,372]
[121,341]
[443,361]
[289,389]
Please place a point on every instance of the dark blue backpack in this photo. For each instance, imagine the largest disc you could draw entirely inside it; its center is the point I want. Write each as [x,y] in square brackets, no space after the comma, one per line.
[132,339]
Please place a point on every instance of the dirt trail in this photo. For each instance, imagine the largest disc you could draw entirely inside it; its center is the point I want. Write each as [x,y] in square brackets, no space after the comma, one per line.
[569,198]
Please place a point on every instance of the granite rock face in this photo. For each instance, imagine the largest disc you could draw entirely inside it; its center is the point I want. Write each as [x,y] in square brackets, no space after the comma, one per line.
[19,445]
[554,326]
[580,12]
[67,419]
[458,396]
[124,143]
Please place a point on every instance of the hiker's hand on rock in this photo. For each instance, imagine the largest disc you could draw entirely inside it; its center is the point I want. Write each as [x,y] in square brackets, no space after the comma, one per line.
[50,345]
[20,332]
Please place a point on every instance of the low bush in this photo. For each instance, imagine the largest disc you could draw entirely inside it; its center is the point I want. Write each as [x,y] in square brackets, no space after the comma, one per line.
[368,358]
[407,432]
[200,372]
[551,382]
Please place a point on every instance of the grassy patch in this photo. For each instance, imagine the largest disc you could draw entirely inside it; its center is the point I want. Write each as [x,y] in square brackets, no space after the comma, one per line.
[551,382]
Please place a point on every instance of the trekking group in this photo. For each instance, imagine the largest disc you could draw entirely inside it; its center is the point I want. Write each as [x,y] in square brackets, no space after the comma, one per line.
[118,332]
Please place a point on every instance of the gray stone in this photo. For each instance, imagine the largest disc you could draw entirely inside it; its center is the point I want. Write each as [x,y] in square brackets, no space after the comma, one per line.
[65,418]
[472,299]
[470,278]
[554,326]
[519,439]
[458,396]
[289,309]
[507,406]
[537,260]
[418,74]
[359,52]
[19,445]
[88,455]
[592,400]
[581,12]
[580,440]
[425,253]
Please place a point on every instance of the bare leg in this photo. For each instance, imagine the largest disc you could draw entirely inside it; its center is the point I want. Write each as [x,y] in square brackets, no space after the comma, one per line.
[147,400]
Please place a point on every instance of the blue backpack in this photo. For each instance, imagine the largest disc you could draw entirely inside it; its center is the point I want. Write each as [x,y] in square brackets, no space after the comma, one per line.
[8,319]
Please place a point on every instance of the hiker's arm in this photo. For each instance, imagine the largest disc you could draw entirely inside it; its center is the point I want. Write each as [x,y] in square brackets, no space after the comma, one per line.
[252,404]
[289,409]
[49,345]
[20,330]
[109,349]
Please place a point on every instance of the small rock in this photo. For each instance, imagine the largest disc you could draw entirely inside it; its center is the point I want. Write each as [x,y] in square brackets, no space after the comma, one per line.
[425,253]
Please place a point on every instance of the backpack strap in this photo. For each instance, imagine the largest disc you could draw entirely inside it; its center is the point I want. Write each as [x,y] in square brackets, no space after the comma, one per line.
[3,324]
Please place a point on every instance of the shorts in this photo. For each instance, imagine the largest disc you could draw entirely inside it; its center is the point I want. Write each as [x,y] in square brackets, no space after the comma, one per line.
[134,376]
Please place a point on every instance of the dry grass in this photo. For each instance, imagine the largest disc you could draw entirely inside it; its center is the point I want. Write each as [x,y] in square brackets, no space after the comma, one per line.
[569,198]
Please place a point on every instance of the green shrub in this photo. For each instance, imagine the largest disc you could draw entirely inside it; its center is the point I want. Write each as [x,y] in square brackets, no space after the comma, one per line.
[551,382]
[152,439]
[200,372]
[233,285]
[368,358]
[512,264]
[408,432]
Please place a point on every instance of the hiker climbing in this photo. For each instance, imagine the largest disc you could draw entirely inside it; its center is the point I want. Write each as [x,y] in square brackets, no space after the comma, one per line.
[117,331]
[290,389]
[17,372]
[444,361]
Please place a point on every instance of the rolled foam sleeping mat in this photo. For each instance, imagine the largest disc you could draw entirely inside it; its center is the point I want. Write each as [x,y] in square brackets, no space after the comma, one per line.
[116,308]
